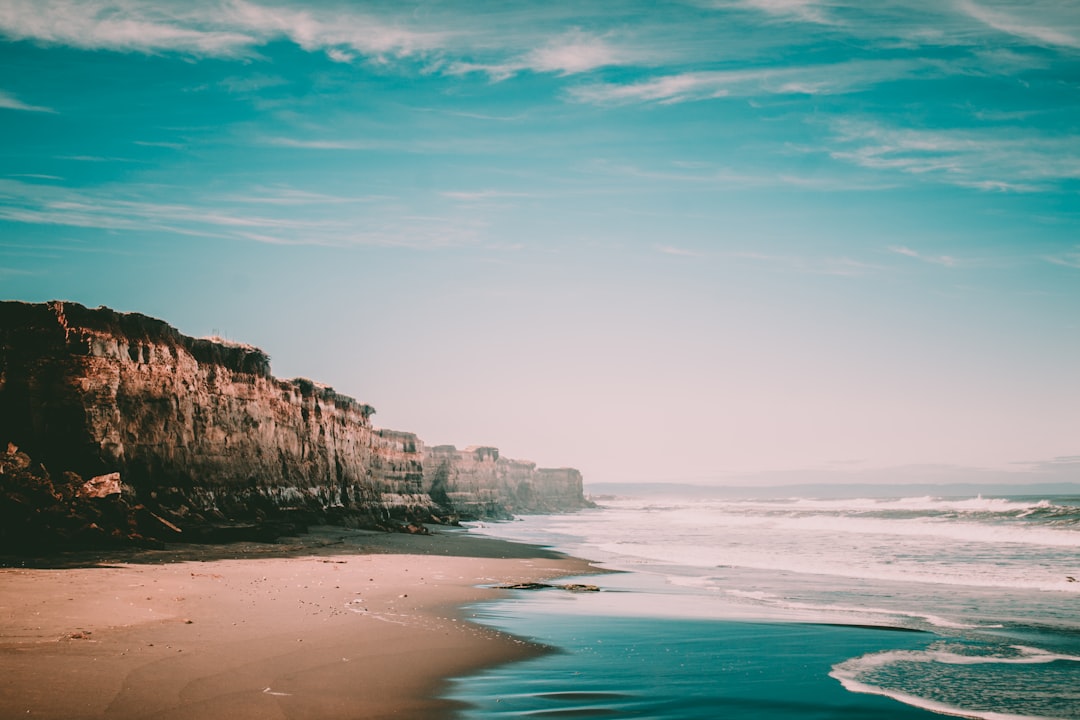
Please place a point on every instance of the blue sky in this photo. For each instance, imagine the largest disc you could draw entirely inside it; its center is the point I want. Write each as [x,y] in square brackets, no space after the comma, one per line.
[653,240]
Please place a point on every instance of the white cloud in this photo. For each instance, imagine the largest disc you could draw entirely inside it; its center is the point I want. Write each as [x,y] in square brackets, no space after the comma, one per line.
[992,159]
[293,196]
[571,53]
[251,216]
[1012,24]
[321,144]
[806,80]
[944,260]
[460,145]
[225,28]
[576,52]
[340,56]
[36,176]
[677,251]
[733,179]
[251,83]
[807,10]
[160,144]
[1066,259]
[481,195]
[671,88]
[837,266]
[331,30]
[928,23]
[93,158]
[455,39]
[10,102]
[127,25]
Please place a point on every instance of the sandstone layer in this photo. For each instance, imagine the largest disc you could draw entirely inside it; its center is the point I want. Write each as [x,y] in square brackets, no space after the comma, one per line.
[202,433]
[478,481]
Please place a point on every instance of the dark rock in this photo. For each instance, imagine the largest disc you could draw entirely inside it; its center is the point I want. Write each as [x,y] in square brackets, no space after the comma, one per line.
[101,486]
[570,587]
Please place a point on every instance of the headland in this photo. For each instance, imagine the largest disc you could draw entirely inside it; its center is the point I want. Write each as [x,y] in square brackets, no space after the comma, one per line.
[119,429]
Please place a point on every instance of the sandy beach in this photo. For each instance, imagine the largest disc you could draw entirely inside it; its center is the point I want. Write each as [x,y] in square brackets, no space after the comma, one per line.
[337,624]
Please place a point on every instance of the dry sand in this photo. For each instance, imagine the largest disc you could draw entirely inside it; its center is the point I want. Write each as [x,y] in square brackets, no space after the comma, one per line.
[339,624]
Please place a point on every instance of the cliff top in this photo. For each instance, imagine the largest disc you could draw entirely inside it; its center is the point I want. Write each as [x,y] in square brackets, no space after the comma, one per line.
[66,325]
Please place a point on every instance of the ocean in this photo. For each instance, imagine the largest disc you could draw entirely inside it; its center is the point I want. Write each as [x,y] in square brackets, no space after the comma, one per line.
[853,608]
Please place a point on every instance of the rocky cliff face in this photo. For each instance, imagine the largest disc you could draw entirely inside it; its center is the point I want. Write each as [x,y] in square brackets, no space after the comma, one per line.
[201,426]
[478,482]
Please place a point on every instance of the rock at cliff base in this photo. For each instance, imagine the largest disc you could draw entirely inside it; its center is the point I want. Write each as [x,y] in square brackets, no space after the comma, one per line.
[100,486]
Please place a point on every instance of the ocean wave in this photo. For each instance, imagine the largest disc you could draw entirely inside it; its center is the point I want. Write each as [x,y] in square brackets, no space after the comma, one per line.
[867,615]
[861,567]
[1030,510]
[961,693]
[1049,531]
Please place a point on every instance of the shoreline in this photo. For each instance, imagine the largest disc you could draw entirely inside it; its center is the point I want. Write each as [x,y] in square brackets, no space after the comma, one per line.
[338,623]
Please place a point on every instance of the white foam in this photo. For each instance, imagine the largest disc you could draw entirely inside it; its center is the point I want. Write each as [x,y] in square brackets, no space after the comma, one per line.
[1026,656]
[925,503]
[965,530]
[851,565]
[852,685]
[849,673]
[935,620]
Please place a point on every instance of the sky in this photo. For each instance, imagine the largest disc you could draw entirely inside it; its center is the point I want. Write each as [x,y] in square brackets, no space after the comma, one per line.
[697,240]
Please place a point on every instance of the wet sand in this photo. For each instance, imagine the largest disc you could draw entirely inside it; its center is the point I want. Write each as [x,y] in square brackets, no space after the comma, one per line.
[337,624]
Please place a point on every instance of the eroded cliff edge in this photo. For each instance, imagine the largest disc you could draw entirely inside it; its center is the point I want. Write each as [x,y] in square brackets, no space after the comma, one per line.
[202,433]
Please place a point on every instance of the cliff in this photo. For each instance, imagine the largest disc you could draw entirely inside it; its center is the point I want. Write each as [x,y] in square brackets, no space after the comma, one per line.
[200,430]
[477,481]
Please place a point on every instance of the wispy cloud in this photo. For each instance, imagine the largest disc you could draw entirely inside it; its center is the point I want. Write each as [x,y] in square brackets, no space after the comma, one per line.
[1013,23]
[230,28]
[36,176]
[568,54]
[267,215]
[476,115]
[305,144]
[703,173]
[251,83]
[560,39]
[340,56]
[95,159]
[345,33]
[127,25]
[806,10]
[676,251]
[10,102]
[423,145]
[4,270]
[294,196]
[944,260]
[705,85]
[35,248]
[333,30]
[481,195]
[914,24]
[994,159]
[160,144]
[1070,259]
[578,52]
[837,266]
[563,39]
